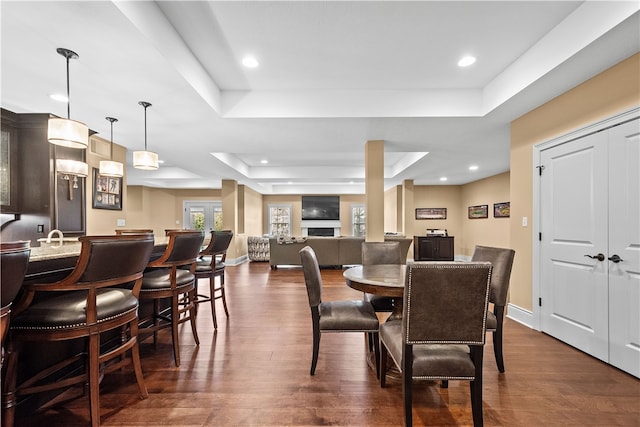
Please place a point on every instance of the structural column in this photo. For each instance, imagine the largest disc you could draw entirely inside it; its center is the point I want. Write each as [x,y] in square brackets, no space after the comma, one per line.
[230,213]
[374,190]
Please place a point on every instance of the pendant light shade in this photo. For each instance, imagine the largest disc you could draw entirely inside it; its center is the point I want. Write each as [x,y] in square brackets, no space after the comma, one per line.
[145,160]
[67,132]
[109,167]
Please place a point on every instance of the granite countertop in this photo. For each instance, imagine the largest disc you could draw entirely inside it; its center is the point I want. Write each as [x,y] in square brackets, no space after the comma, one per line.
[70,248]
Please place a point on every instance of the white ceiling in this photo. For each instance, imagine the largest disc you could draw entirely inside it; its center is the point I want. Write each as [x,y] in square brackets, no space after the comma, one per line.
[332,76]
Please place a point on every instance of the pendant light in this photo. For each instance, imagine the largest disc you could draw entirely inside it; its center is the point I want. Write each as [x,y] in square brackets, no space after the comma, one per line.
[145,160]
[67,132]
[109,167]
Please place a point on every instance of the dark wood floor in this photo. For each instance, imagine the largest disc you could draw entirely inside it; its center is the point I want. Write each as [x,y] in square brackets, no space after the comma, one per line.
[254,371]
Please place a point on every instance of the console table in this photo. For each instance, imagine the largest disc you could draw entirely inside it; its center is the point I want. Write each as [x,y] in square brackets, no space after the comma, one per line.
[433,248]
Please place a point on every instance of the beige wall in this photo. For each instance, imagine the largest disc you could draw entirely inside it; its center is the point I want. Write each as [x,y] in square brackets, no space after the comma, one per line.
[490,231]
[613,91]
[437,196]
[102,221]
[295,200]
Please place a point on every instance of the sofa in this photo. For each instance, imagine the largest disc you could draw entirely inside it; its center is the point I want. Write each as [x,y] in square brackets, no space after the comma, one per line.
[331,251]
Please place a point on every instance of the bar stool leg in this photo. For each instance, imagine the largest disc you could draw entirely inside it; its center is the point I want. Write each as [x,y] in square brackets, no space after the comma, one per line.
[175,319]
[212,286]
[94,379]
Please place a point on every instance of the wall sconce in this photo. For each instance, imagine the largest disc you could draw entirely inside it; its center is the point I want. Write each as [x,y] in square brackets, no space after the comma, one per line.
[72,168]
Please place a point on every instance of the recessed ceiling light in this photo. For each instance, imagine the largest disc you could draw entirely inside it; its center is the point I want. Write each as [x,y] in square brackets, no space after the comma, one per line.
[59,97]
[250,62]
[264,161]
[443,178]
[466,61]
[473,167]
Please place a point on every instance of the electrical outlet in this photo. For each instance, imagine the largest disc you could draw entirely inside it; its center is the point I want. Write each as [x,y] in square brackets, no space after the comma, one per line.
[525,221]
[120,222]
[40,228]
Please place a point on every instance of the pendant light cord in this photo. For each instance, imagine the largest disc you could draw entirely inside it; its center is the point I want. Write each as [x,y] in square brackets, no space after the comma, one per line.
[145,105]
[68,97]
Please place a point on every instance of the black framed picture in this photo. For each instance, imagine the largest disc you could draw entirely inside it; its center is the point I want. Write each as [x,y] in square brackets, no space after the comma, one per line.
[477,212]
[107,191]
[501,210]
[431,213]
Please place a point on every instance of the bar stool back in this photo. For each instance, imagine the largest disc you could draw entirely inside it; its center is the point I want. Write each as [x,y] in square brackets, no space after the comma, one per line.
[87,303]
[211,264]
[14,261]
[165,279]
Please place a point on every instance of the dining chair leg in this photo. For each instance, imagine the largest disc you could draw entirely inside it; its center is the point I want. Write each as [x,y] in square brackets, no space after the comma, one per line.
[497,337]
[315,315]
[407,384]
[376,352]
[383,364]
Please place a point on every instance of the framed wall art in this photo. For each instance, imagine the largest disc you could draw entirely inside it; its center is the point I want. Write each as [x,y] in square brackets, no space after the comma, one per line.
[431,213]
[479,211]
[502,210]
[107,191]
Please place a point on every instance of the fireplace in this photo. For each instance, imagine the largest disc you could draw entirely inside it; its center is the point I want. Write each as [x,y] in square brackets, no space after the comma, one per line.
[320,231]
[328,228]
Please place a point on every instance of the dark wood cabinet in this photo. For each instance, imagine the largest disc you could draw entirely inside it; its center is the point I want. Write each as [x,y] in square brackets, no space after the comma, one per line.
[433,248]
[45,200]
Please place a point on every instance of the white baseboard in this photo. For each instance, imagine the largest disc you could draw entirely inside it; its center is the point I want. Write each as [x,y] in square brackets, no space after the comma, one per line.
[236,261]
[520,315]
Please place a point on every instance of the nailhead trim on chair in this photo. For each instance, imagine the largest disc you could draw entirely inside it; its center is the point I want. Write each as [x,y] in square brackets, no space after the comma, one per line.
[62,327]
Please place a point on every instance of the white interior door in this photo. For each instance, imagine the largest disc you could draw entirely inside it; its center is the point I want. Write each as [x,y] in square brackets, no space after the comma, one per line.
[574,226]
[624,241]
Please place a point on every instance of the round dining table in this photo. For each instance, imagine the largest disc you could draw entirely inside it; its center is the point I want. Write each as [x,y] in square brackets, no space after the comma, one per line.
[382,279]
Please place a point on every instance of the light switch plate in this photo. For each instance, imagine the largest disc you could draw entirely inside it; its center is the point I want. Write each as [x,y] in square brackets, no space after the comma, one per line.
[525,221]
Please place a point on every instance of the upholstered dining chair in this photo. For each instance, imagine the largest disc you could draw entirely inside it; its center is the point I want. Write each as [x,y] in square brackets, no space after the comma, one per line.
[210,264]
[334,316]
[98,296]
[14,261]
[374,253]
[164,279]
[442,332]
[502,261]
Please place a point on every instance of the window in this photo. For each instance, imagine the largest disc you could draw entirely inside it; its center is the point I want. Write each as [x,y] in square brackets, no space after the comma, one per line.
[358,220]
[280,220]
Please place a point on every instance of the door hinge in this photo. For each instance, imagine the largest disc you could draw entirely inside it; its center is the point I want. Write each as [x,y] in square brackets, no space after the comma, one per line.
[540,237]
[539,302]
[540,169]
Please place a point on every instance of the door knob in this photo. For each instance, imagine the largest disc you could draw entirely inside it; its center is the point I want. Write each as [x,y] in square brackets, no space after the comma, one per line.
[599,257]
[615,258]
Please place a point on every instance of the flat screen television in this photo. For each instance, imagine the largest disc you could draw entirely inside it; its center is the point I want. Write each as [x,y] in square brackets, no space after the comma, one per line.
[321,207]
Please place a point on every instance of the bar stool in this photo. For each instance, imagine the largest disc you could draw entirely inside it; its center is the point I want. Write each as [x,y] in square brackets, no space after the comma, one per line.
[87,303]
[14,261]
[211,265]
[165,279]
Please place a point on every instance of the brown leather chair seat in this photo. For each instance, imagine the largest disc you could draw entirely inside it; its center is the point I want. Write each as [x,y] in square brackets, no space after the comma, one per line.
[70,310]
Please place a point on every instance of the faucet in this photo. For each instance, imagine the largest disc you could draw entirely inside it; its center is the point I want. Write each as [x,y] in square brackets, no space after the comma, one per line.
[59,233]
